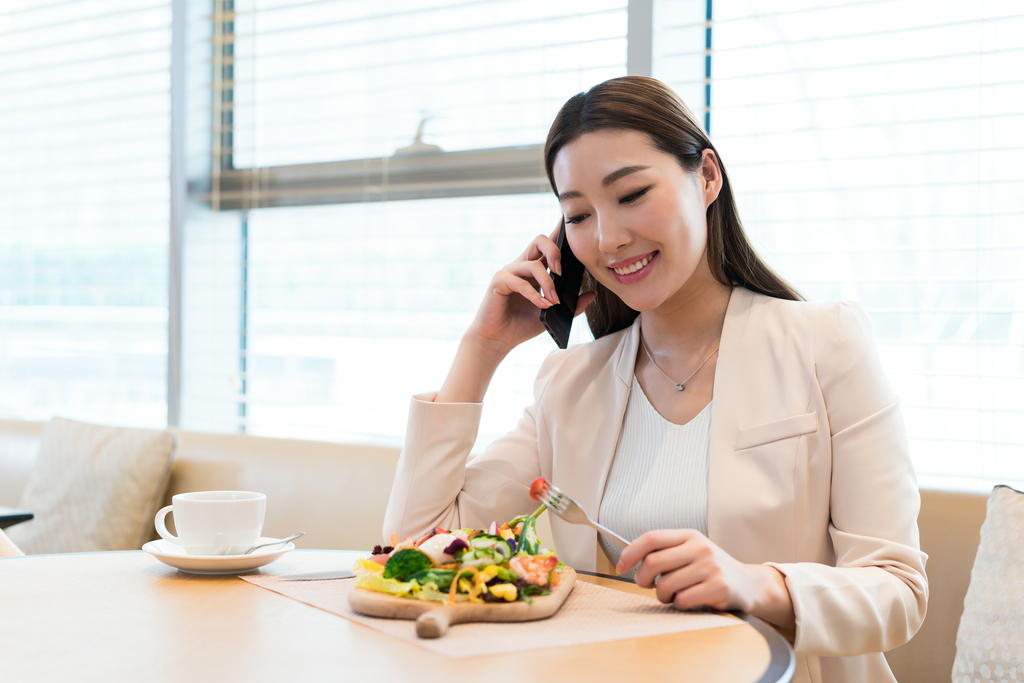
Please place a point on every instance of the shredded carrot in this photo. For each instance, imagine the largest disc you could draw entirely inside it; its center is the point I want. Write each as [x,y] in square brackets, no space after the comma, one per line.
[479,586]
[394,539]
[455,582]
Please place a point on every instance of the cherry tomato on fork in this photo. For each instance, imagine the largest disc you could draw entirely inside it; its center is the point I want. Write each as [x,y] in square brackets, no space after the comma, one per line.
[539,486]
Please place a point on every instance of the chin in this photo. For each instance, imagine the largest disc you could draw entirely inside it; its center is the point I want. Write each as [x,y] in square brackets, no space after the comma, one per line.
[639,303]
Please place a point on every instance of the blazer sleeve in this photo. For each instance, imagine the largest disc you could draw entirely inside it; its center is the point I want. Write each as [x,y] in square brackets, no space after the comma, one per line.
[436,486]
[874,599]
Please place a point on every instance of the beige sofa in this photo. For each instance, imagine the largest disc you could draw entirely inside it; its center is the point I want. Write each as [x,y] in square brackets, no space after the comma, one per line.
[334,492]
[337,494]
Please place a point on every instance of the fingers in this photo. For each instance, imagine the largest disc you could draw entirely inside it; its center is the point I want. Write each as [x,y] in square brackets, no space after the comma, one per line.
[506,282]
[539,274]
[661,562]
[685,577]
[687,570]
[650,542]
[713,594]
[544,249]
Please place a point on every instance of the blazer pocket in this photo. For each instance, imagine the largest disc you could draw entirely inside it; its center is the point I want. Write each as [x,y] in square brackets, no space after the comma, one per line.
[785,428]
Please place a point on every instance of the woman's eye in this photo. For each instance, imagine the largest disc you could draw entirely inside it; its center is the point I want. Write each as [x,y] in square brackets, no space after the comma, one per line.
[630,198]
[573,220]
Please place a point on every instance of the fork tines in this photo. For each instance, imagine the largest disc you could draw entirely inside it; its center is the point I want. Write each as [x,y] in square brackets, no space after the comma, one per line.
[552,501]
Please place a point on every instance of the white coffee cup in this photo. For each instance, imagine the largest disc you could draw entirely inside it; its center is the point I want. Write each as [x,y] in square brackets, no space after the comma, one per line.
[214,522]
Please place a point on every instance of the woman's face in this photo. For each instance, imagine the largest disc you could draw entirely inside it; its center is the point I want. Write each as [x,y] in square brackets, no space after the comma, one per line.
[634,217]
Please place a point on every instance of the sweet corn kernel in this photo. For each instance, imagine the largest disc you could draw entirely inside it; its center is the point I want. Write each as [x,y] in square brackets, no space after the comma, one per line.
[505,591]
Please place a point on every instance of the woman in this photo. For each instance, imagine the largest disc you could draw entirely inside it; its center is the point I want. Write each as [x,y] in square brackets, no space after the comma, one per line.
[748,441]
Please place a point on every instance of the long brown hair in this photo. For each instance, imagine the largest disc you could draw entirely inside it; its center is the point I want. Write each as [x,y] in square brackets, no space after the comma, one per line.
[651,107]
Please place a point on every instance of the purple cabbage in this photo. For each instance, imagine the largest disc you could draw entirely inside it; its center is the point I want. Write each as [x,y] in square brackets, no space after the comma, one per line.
[455,546]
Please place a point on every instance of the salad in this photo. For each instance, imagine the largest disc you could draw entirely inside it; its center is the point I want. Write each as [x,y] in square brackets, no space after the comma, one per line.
[501,564]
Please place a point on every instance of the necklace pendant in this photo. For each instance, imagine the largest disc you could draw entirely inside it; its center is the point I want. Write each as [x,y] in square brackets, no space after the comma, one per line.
[679,387]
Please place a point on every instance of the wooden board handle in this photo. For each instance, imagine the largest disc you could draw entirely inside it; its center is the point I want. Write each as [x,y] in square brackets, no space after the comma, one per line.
[433,624]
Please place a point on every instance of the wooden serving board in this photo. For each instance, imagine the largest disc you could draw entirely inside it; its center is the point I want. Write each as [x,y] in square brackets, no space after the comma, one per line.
[433,618]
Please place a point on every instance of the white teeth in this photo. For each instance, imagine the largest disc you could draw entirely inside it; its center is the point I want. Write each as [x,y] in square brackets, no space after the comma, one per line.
[633,267]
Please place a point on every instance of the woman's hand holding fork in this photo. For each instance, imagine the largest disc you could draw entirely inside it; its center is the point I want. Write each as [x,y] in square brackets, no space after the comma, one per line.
[689,571]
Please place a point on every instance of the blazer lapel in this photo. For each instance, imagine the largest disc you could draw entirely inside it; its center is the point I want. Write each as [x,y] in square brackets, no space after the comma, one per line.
[588,433]
[625,364]
[731,376]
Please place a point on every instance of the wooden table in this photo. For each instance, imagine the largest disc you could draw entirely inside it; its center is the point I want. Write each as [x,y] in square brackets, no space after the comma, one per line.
[124,616]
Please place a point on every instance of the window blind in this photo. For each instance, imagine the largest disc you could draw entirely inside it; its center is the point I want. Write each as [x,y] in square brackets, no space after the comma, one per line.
[330,102]
[326,81]
[418,129]
[84,163]
[877,151]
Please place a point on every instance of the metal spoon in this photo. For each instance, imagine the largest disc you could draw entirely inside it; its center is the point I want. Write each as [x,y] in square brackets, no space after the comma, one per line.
[283,540]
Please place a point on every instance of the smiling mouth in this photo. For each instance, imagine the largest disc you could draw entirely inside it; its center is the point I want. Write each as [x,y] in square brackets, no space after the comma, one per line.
[633,267]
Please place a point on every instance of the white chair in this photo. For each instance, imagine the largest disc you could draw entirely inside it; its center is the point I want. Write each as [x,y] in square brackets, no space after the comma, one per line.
[7,547]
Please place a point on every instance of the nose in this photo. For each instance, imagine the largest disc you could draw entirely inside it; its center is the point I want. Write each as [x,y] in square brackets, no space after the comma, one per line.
[612,235]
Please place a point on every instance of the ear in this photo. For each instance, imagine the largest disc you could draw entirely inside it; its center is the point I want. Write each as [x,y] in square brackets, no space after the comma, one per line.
[711,175]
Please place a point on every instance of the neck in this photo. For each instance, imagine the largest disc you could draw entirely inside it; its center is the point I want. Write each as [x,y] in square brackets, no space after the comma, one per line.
[691,321]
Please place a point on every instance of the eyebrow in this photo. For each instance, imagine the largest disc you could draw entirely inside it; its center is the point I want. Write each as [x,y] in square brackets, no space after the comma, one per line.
[608,180]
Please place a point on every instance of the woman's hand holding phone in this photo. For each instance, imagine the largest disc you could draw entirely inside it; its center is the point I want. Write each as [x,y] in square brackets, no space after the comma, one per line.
[508,316]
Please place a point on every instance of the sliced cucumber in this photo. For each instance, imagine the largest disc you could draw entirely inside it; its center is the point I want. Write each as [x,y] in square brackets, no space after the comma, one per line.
[496,546]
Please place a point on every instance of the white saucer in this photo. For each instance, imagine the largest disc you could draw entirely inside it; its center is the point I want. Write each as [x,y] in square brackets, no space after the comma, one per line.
[175,556]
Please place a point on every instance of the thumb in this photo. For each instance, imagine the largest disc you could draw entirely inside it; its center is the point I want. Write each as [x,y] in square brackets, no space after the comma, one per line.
[584,301]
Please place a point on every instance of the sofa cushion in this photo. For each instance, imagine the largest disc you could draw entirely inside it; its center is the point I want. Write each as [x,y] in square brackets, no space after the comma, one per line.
[988,646]
[19,446]
[93,488]
[950,524]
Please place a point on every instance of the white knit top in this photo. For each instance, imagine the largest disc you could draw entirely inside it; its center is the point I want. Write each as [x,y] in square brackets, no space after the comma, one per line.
[659,478]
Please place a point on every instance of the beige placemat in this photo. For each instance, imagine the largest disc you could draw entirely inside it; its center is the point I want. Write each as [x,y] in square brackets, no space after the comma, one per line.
[591,614]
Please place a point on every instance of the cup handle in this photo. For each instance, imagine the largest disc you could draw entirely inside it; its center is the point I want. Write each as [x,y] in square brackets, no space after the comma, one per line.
[161,527]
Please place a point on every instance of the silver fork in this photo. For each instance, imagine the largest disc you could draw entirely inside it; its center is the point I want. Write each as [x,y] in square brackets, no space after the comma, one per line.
[568,509]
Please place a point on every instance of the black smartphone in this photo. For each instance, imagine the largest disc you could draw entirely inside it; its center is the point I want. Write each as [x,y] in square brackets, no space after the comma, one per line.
[558,318]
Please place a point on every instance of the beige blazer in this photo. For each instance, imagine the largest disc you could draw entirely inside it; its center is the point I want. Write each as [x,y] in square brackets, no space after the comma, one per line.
[809,470]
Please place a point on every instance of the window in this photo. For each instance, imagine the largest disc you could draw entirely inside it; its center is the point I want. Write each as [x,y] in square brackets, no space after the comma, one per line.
[355,176]
[84,165]
[349,307]
[877,151]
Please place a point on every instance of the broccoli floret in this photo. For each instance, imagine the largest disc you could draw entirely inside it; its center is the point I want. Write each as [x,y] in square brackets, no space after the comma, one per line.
[405,563]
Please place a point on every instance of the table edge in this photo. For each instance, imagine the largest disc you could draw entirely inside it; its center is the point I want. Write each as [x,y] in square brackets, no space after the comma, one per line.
[111,552]
[782,663]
